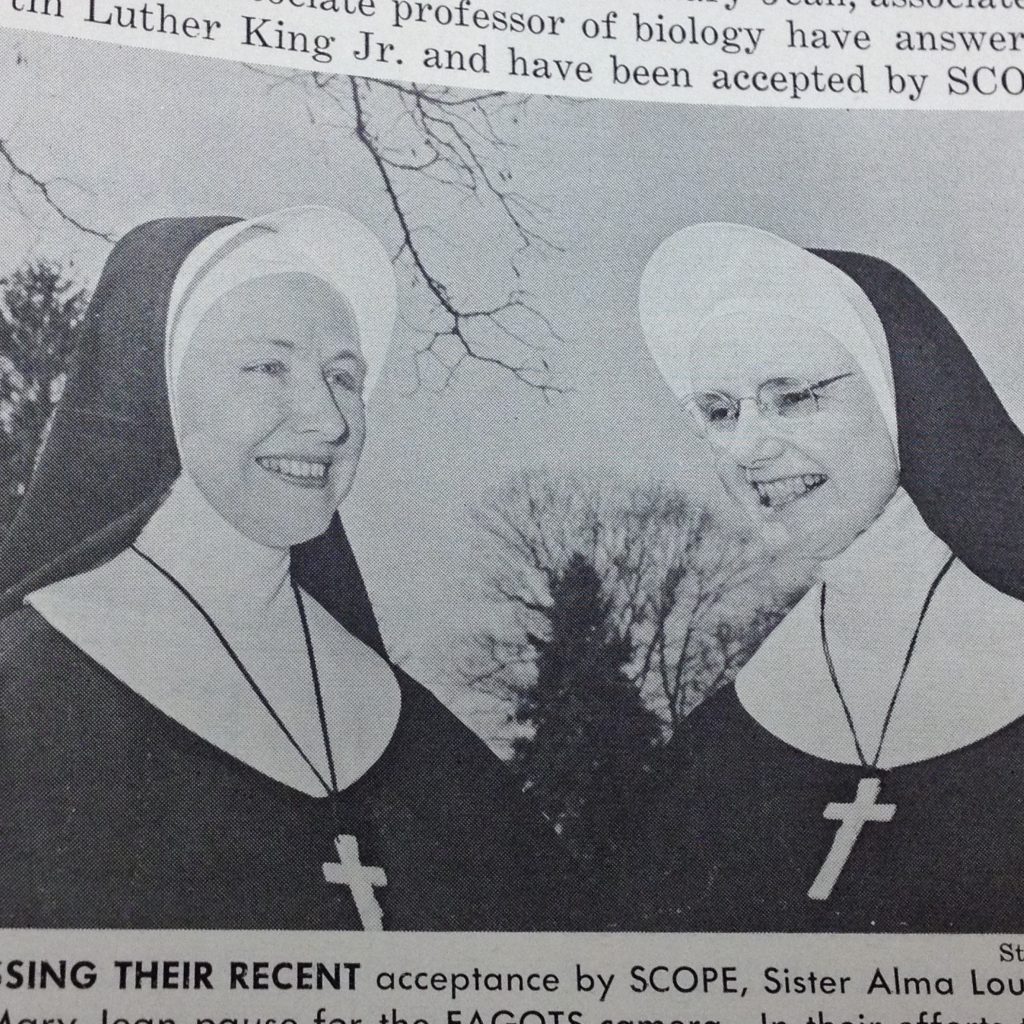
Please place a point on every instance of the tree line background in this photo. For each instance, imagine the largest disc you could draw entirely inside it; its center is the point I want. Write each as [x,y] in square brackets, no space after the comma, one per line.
[614,605]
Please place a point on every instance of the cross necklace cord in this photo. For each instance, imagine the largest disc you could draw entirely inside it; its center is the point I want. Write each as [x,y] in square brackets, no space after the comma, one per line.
[863,808]
[360,878]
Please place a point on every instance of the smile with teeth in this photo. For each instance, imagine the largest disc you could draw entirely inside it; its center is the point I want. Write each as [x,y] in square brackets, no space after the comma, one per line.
[308,472]
[772,493]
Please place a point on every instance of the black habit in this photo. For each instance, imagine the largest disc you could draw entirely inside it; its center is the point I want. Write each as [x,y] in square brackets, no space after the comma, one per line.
[115,815]
[735,837]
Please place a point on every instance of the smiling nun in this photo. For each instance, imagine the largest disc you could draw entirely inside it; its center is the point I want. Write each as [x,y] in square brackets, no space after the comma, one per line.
[865,770]
[200,723]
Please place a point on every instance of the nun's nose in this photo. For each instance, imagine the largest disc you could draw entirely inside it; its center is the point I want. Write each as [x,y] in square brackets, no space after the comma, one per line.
[754,439]
[315,409]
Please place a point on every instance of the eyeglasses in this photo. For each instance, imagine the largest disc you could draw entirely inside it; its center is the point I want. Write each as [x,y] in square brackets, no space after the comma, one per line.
[717,413]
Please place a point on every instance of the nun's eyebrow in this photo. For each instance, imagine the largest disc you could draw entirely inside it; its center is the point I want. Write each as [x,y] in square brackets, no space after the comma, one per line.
[347,353]
[342,353]
[264,339]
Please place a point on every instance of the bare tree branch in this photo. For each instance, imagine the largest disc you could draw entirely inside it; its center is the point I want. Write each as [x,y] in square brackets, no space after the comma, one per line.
[455,142]
[45,190]
[447,139]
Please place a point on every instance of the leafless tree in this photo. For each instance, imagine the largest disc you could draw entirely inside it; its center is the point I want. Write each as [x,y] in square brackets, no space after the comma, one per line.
[691,596]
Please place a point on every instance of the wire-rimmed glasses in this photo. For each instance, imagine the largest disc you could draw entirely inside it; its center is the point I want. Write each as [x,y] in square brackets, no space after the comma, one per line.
[717,413]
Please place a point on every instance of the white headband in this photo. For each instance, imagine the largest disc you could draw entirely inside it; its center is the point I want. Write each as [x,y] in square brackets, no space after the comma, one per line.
[708,271]
[326,243]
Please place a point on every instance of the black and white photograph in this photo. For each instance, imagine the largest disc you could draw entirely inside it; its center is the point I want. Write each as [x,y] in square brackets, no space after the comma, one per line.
[438,509]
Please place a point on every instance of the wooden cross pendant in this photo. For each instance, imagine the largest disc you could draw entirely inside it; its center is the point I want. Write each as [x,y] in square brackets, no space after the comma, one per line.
[360,878]
[853,816]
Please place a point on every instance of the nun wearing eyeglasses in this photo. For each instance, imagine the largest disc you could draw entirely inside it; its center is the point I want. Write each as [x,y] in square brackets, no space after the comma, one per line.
[865,771]
[199,721]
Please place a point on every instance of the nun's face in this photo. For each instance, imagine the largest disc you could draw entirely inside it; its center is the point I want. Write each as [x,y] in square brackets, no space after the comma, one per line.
[270,407]
[812,481]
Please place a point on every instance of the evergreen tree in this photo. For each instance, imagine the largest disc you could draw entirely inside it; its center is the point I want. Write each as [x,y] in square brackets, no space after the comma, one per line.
[40,311]
[590,752]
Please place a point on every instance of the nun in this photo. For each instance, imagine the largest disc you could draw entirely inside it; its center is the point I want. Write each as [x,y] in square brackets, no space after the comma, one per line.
[865,770]
[200,723]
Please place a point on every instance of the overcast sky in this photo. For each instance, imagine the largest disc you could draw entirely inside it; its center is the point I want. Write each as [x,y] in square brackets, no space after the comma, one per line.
[142,134]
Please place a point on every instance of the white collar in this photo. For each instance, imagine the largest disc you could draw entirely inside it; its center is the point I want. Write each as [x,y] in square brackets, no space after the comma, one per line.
[961,685]
[231,575]
[900,539]
[134,623]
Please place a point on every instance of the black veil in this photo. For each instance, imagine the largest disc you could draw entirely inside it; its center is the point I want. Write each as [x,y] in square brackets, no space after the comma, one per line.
[110,453]
[961,456]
